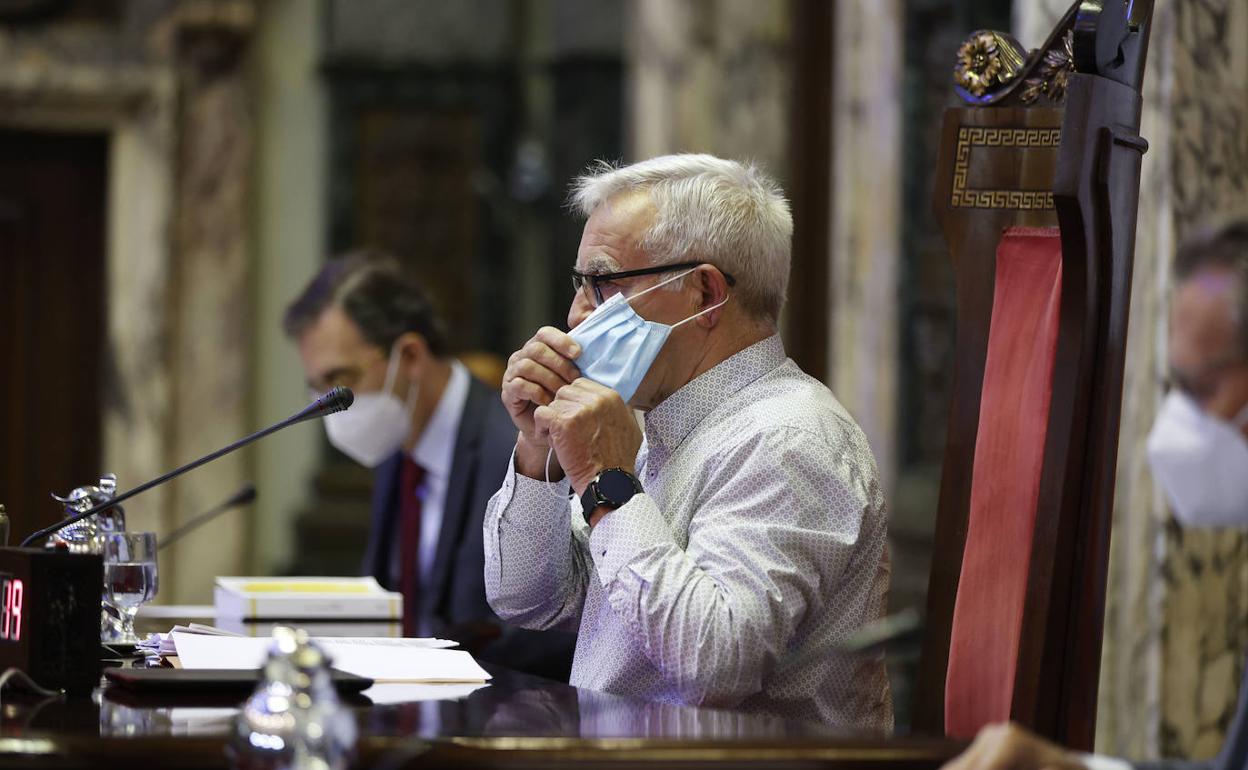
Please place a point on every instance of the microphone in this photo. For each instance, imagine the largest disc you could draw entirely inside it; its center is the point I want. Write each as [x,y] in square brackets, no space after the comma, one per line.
[336,400]
[246,495]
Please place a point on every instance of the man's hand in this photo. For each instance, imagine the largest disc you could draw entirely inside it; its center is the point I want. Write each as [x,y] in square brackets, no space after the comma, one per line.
[591,429]
[1010,747]
[534,374]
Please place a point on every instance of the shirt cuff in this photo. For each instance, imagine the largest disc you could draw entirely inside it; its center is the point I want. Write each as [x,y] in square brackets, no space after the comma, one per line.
[626,533]
[1101,762]
[528,490]
[520,497]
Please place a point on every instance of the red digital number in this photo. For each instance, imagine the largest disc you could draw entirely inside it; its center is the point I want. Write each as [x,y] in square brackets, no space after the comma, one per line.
[7,613]
[15,611]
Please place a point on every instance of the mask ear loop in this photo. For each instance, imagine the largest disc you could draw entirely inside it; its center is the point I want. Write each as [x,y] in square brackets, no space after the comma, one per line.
[664,282]
[550,488]
[703,312]
[392,371]
[677,278]
[392,368]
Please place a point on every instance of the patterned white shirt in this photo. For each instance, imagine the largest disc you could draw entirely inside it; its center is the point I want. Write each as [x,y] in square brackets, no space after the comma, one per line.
[758,545]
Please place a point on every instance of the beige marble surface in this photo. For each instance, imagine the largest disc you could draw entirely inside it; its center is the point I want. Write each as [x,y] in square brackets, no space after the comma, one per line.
[866,221]
[212,306]
[177,235]
[710,77]
[715,77]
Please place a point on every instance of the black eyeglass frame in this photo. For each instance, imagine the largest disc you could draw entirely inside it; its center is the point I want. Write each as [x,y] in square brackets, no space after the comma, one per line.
[579,279]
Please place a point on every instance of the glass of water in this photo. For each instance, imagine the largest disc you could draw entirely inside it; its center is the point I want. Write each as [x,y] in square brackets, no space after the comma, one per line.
[129,575]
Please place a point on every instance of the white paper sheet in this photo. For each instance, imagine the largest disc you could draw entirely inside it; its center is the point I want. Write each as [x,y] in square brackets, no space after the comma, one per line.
[383,660]
[386,694]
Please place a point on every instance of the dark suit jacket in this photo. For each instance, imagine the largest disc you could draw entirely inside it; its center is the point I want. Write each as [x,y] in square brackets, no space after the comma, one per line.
[456,586]
[1234,755]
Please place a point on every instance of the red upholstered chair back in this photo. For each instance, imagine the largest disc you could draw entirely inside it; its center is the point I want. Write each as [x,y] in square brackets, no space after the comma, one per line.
[1005,480]
[1037,188]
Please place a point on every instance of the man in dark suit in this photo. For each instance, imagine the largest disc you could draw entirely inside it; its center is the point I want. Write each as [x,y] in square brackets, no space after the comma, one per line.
[1198,450]
[440,442]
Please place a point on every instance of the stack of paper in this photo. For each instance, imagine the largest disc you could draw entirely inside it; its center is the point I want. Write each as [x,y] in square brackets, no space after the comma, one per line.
[424,661]
[158,648]
[327,606]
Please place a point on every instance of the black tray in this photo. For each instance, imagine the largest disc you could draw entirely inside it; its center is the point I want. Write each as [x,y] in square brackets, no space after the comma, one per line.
[211,680]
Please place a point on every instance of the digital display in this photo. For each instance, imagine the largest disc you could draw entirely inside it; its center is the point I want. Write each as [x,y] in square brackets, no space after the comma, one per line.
[50,616]
[12,593]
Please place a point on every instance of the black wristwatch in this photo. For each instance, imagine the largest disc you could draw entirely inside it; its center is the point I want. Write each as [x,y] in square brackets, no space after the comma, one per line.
[613,487]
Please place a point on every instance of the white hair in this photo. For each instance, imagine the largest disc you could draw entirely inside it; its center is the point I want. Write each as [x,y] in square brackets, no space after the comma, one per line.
[729,214]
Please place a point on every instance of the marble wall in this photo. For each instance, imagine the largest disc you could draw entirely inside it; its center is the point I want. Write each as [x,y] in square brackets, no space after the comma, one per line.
[167,82]
[710,77]
[717,77]
[866,220]
[212,303]
[1177,616]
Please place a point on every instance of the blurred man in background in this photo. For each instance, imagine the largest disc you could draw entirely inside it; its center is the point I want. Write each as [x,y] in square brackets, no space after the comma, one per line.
[1198,450]
[439,441]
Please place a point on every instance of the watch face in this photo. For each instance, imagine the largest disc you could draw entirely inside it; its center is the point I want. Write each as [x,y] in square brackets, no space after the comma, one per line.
[616,486]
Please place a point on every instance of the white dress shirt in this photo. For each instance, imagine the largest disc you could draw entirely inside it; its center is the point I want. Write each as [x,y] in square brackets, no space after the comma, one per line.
[434,452]
[758,545]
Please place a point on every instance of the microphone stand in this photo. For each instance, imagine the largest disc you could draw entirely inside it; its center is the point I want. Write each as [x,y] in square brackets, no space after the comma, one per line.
[335,400]
[244,496]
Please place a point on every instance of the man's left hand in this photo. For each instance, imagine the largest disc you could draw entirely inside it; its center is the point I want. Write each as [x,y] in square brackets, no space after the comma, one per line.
[591,429]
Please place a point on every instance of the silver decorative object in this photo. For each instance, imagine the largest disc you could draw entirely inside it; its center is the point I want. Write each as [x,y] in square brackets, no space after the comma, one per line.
[294,720]
[86,537]
[81,536]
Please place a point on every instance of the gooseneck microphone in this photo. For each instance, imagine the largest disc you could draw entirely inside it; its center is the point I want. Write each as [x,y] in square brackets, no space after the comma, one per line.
[336,400]
[246,495]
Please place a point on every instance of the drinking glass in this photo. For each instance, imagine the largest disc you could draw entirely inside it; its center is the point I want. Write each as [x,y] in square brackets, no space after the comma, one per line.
[129,575]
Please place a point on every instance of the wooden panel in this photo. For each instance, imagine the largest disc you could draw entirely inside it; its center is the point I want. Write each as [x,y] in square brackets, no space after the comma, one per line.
[1096,191]
[972,233]
[52,317]
[810,187]
[414,183]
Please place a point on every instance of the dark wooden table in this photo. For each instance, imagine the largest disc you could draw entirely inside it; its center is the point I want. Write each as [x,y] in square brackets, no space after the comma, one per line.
[518,721]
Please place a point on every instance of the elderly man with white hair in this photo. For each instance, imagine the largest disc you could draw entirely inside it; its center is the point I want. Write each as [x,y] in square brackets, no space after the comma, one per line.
[719,556]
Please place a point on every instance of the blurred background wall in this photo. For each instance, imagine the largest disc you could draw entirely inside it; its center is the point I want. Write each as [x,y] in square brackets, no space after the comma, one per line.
[173,171]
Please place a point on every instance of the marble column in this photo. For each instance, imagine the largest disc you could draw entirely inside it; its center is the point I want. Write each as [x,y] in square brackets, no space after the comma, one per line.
[710,77]
[212,297]
[1177,615]
[865,220]
[716,77]
[167,82]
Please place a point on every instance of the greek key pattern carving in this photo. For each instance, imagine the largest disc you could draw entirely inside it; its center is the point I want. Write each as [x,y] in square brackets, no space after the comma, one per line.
[979,136]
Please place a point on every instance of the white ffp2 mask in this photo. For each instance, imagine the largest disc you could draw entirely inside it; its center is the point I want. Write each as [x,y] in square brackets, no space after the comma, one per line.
[376,424]
[1201,463]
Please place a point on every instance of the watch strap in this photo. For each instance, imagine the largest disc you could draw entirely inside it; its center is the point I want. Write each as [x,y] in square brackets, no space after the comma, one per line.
[595,497]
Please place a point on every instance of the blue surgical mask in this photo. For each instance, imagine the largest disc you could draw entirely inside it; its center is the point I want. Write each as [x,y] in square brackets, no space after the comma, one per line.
[618,346]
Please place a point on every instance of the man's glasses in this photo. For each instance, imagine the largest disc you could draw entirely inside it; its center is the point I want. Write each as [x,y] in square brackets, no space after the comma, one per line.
[598,287]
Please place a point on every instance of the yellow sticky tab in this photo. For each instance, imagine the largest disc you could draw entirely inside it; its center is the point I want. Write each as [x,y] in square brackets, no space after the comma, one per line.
[305,588]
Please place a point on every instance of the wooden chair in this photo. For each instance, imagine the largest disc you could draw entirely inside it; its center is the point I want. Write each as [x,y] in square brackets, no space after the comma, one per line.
[1037,188]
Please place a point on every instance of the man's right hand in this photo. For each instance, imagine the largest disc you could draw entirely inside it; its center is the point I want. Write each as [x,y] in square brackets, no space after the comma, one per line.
[1010,747]
[534,374]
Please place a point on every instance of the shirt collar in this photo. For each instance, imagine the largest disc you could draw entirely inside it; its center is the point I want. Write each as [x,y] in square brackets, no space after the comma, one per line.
[676,416]
[437,442]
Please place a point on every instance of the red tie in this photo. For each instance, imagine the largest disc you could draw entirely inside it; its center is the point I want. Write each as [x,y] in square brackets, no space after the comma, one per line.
[409,543]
